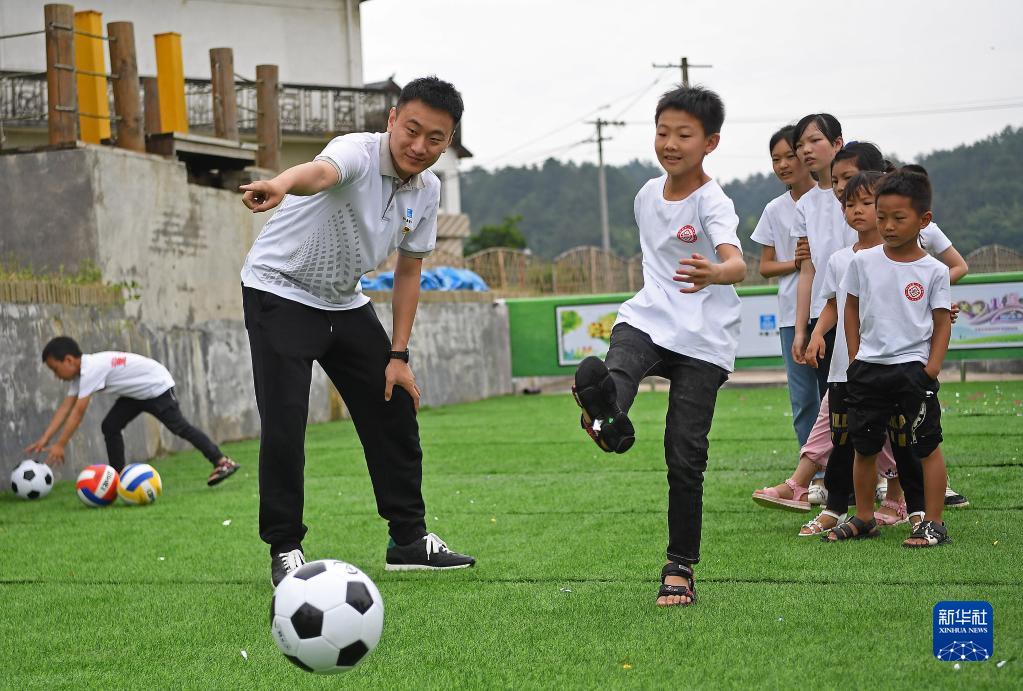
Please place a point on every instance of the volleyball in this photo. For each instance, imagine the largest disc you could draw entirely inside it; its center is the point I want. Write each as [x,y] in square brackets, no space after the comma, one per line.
[97,485]
[140,484]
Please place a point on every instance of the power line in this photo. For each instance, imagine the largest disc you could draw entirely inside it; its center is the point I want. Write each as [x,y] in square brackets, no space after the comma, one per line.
[683,65]
[605,231]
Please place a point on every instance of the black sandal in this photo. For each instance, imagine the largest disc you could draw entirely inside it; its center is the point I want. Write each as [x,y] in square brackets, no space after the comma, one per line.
[683,571]
[844,531]
[933,532]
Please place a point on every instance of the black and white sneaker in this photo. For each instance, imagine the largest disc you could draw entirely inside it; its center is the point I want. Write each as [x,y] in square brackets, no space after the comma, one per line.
[283,563]
[428,552]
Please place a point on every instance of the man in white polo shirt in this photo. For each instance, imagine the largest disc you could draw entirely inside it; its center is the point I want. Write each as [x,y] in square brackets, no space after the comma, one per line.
[337,218]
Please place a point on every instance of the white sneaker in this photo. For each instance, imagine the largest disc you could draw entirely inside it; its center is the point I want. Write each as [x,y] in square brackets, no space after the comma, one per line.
[882,488]
[817,494]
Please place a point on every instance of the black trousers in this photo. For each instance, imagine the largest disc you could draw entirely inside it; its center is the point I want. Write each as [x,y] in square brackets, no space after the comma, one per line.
[838,476]
[164,408]
[691,399]
[824,364]
[351,346]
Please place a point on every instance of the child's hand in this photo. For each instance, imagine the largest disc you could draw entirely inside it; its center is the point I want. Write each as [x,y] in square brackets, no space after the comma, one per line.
[55,455]
[261,195]
[955,312]
[802,251]
[799,347]
[36,446]
[815,351]
[698,271]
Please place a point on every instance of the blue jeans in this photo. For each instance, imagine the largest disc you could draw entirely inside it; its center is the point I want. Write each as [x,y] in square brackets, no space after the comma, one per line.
[803,392]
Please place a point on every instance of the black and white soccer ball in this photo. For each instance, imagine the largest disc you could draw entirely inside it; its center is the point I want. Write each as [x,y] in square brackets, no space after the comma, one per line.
[31,480]
[326,616]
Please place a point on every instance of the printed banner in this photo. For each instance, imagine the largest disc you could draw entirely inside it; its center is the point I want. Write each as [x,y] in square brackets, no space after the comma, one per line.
[584,330]
[990,316]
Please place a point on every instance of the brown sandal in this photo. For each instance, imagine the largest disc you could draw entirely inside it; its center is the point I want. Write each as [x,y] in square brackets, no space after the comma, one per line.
[682,571]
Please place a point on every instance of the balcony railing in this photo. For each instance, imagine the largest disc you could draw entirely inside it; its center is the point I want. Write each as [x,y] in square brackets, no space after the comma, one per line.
[306,110]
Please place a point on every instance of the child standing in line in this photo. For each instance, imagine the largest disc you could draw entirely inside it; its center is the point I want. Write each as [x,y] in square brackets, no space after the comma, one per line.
[777,259]
[897,323]
[142,385]
[683,324]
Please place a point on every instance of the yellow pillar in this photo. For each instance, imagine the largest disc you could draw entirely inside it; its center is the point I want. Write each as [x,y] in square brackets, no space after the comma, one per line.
[170,82]
[92,90]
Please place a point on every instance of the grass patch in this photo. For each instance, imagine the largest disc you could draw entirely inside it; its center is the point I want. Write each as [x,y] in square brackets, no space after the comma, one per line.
[569,541]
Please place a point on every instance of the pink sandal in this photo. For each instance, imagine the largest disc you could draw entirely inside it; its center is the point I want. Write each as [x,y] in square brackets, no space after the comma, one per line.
[768,496]
[884,519]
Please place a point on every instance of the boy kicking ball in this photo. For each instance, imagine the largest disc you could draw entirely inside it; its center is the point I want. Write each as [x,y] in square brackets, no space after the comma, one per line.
[683,325]
[142,385]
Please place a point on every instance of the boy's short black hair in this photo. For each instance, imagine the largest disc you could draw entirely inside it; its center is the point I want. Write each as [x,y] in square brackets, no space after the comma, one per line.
[915,168]
[700,102]
[865,181]
[60,347]
[435,93]
[906,183]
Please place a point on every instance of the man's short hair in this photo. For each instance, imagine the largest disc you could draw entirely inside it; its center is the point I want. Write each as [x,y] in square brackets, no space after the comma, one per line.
[700,102]
[906,183]
[60,347]
[435,93]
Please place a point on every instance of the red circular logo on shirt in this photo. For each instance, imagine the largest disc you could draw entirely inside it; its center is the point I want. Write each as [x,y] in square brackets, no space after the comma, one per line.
[914,291]
[687,233]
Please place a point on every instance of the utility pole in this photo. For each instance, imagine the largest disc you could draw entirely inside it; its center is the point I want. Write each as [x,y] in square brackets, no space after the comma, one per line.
[605,230]
[684,66]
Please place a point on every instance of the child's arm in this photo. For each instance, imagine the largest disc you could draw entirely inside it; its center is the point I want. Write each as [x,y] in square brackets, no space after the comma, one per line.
[803,294]
[852,325]
[817,348]
[957,267]
[771,267]
[56,450]
[702,272]
[939,342]
[58,419]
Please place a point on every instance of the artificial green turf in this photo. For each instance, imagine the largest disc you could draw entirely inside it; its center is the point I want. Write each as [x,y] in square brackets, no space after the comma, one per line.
[569,540]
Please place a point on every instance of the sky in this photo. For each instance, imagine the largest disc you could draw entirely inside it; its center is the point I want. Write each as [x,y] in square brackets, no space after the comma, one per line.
[909,75]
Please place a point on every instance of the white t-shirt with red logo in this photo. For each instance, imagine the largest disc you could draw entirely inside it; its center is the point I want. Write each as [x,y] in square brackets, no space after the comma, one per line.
[705,324]
[121,374]
[774,230]
[896,304]
[820,219]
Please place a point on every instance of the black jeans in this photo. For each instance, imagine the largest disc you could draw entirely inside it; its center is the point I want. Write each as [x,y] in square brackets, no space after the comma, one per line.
[691,398]
[824,364]
[164,408]
[285,337]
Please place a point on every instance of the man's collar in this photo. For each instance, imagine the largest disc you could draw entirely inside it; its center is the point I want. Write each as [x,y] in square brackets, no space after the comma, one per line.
[387,164]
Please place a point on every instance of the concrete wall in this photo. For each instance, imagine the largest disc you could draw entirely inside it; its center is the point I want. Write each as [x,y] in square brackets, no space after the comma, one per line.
[313,42]
[136,218]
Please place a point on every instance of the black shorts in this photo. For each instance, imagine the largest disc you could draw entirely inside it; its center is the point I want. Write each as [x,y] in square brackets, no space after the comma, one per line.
[898,400]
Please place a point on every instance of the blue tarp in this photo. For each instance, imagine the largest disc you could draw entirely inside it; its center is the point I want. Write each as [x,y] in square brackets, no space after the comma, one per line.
[440,278]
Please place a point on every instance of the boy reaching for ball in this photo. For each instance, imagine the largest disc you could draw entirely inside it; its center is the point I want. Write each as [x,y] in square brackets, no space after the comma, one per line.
[142,385]
[683,324]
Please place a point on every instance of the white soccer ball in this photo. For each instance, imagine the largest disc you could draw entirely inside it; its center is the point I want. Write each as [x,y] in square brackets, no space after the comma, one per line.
[31,480]
[326,616]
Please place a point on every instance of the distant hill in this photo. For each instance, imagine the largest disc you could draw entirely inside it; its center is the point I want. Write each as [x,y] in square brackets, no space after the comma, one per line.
[978,198]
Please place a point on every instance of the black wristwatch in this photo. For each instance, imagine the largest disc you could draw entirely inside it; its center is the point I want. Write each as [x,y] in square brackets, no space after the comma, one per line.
[400,355]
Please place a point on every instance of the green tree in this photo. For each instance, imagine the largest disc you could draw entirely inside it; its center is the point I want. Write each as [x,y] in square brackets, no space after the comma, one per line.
[504,234]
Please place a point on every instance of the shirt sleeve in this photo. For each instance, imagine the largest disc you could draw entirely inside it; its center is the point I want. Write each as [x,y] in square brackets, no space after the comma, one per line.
[348,157]
[422,239]
[941,289]
[829,287]
[764,233]
[72,389]
[719,221]
[93,377]
[934,241]
[798,229]
[851,282]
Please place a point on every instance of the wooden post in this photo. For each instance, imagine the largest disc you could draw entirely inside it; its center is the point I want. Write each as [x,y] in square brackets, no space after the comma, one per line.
[170,77]
[126,86]
[62,94]
[268,118]
[225,104]
[151,105]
